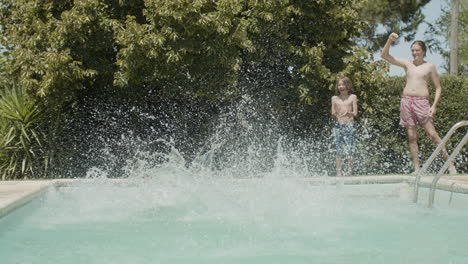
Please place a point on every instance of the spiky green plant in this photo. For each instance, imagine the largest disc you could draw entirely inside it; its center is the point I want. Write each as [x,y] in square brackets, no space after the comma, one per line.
[21,141]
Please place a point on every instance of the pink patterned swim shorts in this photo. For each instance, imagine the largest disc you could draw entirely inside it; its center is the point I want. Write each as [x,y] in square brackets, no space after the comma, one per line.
[414,110]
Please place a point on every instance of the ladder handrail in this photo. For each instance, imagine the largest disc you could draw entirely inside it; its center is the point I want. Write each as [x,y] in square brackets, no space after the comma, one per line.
[444,168]
[434,155]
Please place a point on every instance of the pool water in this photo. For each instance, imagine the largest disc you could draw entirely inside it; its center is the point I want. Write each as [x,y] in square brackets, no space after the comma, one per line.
[205,220]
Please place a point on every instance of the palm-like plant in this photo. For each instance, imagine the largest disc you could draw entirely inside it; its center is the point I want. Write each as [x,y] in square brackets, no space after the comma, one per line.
[21,141]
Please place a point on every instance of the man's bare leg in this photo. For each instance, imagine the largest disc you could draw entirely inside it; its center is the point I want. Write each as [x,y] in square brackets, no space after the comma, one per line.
[434,137]
[339,164]
[413,146]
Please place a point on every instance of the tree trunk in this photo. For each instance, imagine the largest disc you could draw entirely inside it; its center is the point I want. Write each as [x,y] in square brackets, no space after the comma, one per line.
[454,38]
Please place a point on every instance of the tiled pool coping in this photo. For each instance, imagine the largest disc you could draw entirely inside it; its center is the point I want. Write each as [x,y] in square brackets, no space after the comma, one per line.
[14,194]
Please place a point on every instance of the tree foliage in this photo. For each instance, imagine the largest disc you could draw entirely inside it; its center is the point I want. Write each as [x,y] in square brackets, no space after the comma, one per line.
[64,50]
[64,53]
[386,16]
[210,46]
[442,28]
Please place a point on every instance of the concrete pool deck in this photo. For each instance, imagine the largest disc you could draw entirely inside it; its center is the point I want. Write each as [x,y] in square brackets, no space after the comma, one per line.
[14,194]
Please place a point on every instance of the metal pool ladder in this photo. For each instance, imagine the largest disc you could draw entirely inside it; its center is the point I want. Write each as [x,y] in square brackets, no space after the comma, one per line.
[444,167]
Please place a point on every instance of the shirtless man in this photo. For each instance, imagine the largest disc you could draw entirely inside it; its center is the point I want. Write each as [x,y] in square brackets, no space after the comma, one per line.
[415,108]
[344,109]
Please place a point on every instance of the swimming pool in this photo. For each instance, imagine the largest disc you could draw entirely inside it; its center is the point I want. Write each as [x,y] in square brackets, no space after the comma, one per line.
[172,218]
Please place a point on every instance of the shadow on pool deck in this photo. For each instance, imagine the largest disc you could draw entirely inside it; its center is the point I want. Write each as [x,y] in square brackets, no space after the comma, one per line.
[14,194]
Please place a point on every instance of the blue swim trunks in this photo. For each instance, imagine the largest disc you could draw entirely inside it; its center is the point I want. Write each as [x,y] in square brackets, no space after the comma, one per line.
[344,136]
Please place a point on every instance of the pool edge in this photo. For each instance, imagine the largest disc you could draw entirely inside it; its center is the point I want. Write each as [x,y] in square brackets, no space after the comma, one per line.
[15,194]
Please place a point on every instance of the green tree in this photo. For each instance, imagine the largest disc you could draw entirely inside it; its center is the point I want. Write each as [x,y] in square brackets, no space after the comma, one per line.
[64,49]
[386,16]
[442,28]
[211,46]
[58,48]
[65,52]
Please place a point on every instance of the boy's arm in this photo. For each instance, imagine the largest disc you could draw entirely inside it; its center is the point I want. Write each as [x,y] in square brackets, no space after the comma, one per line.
[386,52]
[355,106]
[333,112]
[438,91]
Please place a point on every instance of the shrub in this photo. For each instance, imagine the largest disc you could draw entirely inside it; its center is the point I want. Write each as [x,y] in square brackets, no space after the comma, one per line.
[22,152]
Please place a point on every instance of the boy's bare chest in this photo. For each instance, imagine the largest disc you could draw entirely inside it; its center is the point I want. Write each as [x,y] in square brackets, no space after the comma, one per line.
[422,71]
[343,102]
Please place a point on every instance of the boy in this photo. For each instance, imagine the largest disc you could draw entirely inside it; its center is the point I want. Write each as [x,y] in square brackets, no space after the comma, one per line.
[415,109]
[344,109]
